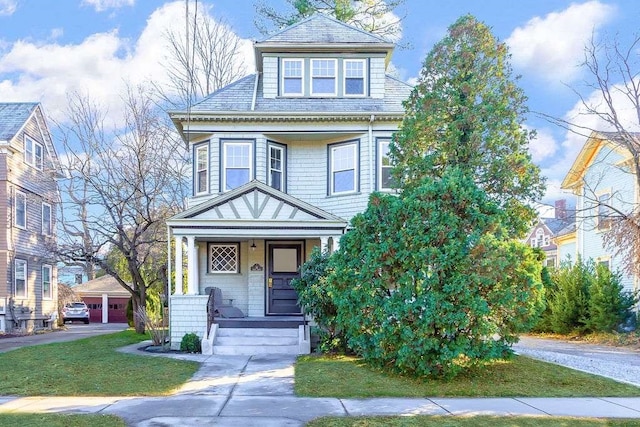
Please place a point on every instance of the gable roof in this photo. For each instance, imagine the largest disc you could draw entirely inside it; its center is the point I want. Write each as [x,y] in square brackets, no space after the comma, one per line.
[256,200]
[102,285]
[594,143]
[322,29]
[13,116]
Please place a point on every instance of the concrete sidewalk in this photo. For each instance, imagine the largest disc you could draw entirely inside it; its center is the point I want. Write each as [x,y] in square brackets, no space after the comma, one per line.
[258,391]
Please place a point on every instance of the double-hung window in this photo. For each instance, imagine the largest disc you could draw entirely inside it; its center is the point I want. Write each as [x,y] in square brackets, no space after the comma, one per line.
[20,209]
[323,77]
[343,170]
[47,292]
[354,77]
[292,76]
[33,153]
[237,159]
[46,219]
[20,278]
[202,169]
[277,164]
[384,165]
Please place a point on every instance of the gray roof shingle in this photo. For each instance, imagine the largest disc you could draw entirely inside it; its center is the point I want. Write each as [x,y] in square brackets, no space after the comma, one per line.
[238,97]
[322,29]
[13,115]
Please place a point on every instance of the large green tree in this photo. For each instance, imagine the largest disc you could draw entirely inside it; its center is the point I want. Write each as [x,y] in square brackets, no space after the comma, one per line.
[467,111]
[433,280]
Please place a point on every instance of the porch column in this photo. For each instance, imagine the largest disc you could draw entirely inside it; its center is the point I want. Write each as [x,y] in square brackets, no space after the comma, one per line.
[179,266]
[324,244]
[192,266]
[336,243]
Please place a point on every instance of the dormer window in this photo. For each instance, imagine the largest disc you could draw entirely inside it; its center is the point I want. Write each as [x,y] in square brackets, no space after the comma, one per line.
[354,77]
[292,74]
[323,77]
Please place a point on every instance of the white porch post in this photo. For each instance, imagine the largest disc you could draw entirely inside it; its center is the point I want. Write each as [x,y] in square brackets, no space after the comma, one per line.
[336,243]
[324,244]
[192,266]
[179,266]
[105,308]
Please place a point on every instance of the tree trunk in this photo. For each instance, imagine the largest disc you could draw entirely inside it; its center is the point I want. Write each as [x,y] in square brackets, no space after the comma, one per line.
[138,300]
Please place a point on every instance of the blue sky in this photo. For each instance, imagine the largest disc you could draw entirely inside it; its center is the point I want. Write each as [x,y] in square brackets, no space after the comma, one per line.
[50,48]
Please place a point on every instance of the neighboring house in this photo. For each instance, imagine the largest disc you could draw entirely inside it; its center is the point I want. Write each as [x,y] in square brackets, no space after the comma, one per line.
[28,197]
[282,160]
[106,298]
[546,231]
[602,178]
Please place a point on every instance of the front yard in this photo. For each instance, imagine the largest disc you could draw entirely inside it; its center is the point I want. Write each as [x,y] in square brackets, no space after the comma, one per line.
[90,367]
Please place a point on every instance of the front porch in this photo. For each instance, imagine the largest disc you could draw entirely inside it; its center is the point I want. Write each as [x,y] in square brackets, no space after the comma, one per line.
[249,243]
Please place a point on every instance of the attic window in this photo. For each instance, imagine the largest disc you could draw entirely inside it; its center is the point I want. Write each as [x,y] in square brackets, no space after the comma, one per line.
[32,153]
[292,70]
[323,77]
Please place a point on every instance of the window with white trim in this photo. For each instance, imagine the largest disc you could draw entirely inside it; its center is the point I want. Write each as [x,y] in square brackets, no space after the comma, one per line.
[343,171]
[323,77]
[224,258]
[237,160]
[202,169]
[47,292]
[46,219]
[539,238]
[20,278]
[292,76]
[33,153]
[384,165]
[277,165]
[355,77]
[20,209]
[604,211]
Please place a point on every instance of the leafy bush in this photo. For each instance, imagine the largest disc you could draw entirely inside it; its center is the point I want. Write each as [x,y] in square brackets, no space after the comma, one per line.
[190,343]
[583,297]
[316,298]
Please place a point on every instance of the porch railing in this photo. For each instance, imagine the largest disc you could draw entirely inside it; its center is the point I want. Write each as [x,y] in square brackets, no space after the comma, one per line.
[211,312]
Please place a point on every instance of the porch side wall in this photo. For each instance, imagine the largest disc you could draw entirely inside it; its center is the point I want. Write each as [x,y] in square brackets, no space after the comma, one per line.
[187,313]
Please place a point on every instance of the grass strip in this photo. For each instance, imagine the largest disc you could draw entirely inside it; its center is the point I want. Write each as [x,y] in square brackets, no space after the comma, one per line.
[477,421]
[90,367]
[60,420]
[349,377]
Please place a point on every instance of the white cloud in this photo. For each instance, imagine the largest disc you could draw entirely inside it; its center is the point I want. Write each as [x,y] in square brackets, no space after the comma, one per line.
[552,47]
[100,65]
[8,7]
[542,146]
[102,5]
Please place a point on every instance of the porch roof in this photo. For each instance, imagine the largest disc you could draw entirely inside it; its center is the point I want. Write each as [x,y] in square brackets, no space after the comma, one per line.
[256,210]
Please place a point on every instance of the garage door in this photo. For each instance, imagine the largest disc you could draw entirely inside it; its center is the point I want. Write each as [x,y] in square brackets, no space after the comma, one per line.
[118,310]
[95,308]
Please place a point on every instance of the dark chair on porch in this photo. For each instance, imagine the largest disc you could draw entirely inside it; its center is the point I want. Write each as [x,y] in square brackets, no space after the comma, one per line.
[219,309]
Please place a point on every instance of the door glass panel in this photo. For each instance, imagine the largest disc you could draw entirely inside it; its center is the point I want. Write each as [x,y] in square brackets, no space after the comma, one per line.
[285,260]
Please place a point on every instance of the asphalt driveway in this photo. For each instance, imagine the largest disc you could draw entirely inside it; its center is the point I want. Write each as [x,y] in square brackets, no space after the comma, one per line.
[74,331]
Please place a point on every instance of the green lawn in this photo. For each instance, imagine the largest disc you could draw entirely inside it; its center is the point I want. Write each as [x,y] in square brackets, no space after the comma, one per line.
[90,367]
[346,377]
[484,421]
[59,420]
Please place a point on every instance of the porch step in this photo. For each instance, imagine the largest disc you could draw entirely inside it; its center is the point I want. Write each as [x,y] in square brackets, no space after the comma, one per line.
[251,341]
[272,322]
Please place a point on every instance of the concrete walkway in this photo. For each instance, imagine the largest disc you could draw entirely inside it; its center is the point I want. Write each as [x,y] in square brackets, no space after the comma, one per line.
[258,391]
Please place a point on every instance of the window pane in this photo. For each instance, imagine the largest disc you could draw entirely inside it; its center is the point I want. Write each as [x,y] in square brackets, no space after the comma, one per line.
[21,210]
[276,180]
[236,177]
[343,158]
[324,68]
[38,159]
[354,86]
[237,155]
[46,219]
[46,281]
[323,85]
[202,182]
[293,68]
[292,85]
[21,278]
[344,181]
[28,150]
[202,158]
